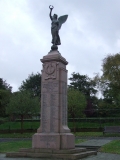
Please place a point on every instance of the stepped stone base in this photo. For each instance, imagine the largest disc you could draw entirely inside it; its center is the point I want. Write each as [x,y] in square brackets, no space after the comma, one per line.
[68,154]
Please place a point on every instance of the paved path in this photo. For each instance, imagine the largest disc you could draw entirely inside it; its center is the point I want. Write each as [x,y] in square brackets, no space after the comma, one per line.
[103,156]
[95,142]
[106,138]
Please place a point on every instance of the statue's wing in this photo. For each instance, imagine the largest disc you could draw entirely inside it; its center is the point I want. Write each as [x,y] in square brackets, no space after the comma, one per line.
[62,20]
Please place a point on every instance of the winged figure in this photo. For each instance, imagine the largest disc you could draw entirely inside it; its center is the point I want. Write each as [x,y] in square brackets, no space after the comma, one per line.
[56,25]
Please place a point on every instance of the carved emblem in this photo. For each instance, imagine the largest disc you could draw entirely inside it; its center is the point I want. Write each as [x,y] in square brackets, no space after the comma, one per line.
[50,70]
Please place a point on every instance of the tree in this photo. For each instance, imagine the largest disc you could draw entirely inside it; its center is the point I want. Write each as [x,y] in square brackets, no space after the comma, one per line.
[87,86]
[4,85]
[83,83]
[5,91]
[109,84]
[33,84]
[21,103]
[111,73]
[76,104]
[111,68]
[111,77]
[4,100]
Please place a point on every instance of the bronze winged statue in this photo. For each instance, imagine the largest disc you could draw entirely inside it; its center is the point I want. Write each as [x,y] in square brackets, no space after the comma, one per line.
[55,27]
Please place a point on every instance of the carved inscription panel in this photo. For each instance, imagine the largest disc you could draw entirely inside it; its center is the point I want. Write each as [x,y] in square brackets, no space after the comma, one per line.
[45,113]
[49,107]
[50,87]
[54,113]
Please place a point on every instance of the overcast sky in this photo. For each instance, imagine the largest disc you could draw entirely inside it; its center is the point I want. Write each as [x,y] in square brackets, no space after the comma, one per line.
[91,31]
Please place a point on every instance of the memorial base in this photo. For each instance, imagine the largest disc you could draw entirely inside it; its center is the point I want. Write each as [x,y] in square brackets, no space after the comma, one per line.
[53,140]
[68,154]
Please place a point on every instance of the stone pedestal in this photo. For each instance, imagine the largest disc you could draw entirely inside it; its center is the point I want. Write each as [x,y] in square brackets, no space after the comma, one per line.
[53,132]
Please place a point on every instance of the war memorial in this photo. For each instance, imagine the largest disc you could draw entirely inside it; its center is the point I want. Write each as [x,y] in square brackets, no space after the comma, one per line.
[53,139]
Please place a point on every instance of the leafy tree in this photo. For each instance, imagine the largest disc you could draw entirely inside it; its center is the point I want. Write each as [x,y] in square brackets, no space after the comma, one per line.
[111,68]
[5,91]
[22,104]
[33,84]
[83,83]
[4,100]
[76,104]
[4,85]
[109,84]
[87,86]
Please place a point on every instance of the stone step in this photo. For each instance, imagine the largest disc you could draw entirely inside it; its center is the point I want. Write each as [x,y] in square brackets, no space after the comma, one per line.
[84,154]
[93,148]
[52,155]
[70,151]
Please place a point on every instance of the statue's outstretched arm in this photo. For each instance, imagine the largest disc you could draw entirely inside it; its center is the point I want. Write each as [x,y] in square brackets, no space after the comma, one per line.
[51,8]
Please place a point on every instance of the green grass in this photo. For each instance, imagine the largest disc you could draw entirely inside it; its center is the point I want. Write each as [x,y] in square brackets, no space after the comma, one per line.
[96,134]
[112,147]
[92,124]
[17,125]
[77,141]
[14,146]
[16,135]
[81,134]
[35,125]
[89,134]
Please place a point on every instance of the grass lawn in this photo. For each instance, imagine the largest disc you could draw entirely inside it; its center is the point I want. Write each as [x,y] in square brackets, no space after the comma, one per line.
[29,135]
[96,134]
[81,134]
[35,125]
[89,134]
[77,141]
[16,135]
[112,147]
[15,146]
[17,125]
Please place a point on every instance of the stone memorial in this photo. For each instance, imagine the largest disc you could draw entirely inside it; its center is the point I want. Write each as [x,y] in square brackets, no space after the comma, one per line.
[54,132]
[53,138]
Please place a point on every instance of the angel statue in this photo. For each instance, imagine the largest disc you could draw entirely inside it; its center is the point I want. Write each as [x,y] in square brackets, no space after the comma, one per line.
[55,27]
